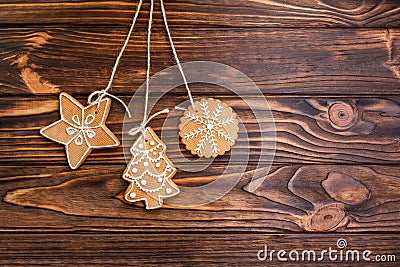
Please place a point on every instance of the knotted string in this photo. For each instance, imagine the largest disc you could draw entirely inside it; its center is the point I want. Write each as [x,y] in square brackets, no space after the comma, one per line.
[146,120]
[142,126]
[102,93]
[176,56]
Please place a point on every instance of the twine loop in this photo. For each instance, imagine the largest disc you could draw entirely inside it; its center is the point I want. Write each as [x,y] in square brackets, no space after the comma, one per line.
[100,94]
[143,125]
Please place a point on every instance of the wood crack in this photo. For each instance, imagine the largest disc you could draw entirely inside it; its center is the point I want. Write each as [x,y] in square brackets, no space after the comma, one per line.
[393,62]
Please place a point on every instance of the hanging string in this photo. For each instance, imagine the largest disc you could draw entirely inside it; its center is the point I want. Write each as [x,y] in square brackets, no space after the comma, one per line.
[102,93]
[176,55]
[142,126]
[146,104]
[146,120]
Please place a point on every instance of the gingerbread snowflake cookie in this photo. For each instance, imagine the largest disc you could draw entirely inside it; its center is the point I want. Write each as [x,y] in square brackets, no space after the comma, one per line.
[81,129]
[149,172]
[210,130]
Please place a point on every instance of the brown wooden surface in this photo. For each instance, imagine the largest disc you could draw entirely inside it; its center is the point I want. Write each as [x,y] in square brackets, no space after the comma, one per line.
[303,61]
[304,131]
[189,249]
[253,13]
[308,57]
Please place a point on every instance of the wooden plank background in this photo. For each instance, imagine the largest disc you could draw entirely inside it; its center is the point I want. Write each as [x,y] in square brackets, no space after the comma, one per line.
[305,55]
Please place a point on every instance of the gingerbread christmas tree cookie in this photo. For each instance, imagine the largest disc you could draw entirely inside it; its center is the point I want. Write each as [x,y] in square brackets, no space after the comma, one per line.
[149,172]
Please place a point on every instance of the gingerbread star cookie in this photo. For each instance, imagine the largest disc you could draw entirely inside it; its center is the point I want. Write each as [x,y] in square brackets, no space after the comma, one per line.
[149,172]
[81,129]
[209,131]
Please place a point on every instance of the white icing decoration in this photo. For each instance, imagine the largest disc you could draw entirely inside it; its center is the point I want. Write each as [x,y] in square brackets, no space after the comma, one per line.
[79,140]
[209,125]
[90,133]
[75,119]
[142,157]
[71,130]
[89,119]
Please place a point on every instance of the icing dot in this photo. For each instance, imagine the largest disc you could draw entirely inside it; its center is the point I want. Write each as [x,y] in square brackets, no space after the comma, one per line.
[146,164]
[140,145]
[152,143]
[143,182]
[154,153]
[134,170]
[158,164]
[160,179]
[209,126]
[169,191]
[132,195]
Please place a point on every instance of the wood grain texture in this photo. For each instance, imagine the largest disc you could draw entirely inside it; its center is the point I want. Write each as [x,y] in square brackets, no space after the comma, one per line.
[243,13]
[290,199]
[189,249]
[307,131]
[329,69]
[280,61]
[338,195]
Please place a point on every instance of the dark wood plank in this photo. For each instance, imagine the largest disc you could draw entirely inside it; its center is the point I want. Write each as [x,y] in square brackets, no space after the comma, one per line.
[330,70]
[315,198]
[332,193]
[280,61]
[106,184]
[189,249]
[307,131]
[243,13]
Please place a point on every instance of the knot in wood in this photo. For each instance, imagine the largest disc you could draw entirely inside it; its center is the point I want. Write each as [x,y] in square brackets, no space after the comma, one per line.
[345,188]
[327,217]
[342,115]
